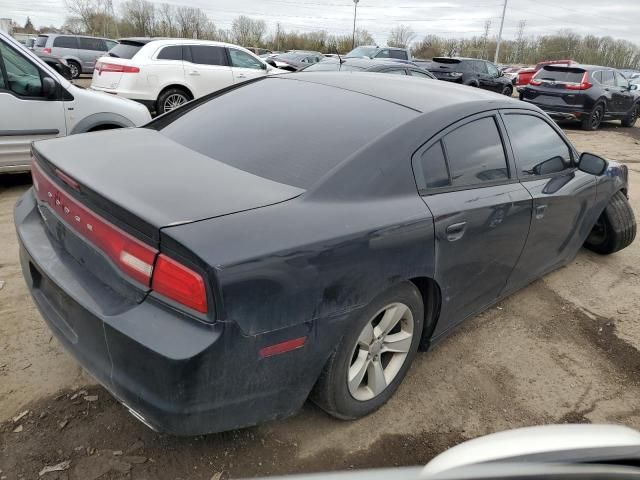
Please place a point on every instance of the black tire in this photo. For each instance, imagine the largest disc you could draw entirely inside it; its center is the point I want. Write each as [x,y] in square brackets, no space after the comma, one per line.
[332,392]
[75,68]
[593,120]
[630,120]
[507,90]
[166,98]
[615,229]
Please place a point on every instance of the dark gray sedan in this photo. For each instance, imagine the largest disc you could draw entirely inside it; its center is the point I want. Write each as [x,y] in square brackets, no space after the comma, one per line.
[370,65]
[212,279]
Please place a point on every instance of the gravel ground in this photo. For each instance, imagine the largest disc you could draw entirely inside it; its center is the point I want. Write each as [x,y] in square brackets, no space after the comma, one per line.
[565,349]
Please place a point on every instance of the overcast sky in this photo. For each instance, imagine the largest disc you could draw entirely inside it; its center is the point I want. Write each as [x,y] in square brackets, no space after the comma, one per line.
[617,18]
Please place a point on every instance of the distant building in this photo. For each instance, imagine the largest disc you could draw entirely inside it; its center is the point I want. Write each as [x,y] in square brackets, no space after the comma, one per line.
[5,25]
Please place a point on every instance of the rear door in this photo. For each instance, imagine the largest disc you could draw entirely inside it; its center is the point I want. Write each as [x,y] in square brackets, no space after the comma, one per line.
[206,69]
[481,213]
[245,66]
[90,49]
[25,115]
[612,103]
[562,195]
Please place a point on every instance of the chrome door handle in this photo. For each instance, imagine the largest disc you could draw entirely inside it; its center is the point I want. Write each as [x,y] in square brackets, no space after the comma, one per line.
[242,76]
[540,209]
[455,231]
[195,73]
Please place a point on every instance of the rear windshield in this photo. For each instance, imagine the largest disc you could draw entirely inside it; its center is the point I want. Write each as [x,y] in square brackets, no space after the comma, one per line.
[125,49]
[559,74]
[41,41]
[333,67]
[295,149]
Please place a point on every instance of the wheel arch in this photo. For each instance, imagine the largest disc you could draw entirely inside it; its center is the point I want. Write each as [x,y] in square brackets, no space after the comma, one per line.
[432,300]
[176,85]
[102,119]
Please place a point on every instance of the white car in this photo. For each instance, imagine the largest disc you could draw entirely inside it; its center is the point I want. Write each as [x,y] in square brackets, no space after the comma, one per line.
[164,74]
[36,102]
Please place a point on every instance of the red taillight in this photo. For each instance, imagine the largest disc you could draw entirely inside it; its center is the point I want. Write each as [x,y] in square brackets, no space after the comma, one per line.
[115,68]
[179,283]
[132,257]
[585,84]
[47,50]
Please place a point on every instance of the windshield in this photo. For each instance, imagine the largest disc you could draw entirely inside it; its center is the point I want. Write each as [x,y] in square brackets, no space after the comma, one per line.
[363,52]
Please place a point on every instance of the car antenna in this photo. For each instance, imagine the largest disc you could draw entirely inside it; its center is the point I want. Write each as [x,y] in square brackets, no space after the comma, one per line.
[340,58]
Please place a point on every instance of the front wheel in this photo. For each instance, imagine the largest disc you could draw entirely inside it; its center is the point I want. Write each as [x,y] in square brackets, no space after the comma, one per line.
[75,69]
[507,90]
[373,356]
[615,229]
[630,120]
[593,119]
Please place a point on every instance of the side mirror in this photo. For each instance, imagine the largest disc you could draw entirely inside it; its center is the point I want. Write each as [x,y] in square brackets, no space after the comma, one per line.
[271,62]
[633,86]
[592,164]
[48,87]
[264,66]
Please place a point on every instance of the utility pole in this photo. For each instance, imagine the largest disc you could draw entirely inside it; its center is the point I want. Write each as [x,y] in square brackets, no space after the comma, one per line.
[355,12]
[504,12]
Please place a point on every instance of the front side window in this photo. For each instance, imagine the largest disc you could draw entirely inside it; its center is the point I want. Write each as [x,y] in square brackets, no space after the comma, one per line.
[23,77]
[416,73]
[475,154]
[538,148]
[620,80]
[398,54]
[396,71]
[384,53]
[65,42]
[493,71]
[208,55]
[172,52]
[242,59]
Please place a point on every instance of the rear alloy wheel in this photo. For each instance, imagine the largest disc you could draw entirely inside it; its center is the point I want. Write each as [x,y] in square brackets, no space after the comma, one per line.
[592,120]
[630,120]
[75,69]
[374,355]
[171,99]
[615,229]
[507,90]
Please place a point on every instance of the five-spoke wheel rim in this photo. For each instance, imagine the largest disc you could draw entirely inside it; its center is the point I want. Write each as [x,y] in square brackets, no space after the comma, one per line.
[174,101]
[380,351]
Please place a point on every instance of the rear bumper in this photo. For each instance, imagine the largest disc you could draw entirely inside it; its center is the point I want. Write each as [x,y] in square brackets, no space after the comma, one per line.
[138,96]
[175,374]
[560,112]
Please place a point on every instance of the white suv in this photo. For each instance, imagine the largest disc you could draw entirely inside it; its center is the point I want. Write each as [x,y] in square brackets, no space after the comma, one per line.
[164,74]
[36,102]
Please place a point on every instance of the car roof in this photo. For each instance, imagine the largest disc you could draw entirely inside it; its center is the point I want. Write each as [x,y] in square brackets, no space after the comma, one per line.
[411,92]
[367,62]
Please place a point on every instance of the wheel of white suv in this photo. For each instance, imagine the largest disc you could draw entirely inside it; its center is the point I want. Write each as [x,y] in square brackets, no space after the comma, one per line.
[374,355]
[171,99]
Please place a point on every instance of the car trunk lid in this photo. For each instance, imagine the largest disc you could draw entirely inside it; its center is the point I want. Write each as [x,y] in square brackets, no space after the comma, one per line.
[146,181]
[109,71]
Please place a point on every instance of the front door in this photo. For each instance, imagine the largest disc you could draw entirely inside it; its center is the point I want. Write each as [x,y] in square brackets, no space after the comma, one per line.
[481,216]
[562,196]
[25,115]
[625,99]
[206,69]
[245,66]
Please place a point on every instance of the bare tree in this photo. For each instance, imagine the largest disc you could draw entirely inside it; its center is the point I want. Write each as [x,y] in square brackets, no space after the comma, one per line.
[401,36]
[84,12]
[193,23]
[166,20]
[485,37]
[248,32]
[141,15]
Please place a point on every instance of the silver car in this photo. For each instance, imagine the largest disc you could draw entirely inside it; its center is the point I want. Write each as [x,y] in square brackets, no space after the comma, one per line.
[80,51]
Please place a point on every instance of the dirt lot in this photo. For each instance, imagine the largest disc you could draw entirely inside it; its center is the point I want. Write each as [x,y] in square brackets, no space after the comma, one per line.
[565,349]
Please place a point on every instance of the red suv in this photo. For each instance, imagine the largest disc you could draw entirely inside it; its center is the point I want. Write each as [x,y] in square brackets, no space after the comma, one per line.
[525,75]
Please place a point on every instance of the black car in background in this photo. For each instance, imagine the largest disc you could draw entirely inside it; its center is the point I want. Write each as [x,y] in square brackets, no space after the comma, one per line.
[587,93]
[59,64]
[224,289]
[469,71]
[366,65]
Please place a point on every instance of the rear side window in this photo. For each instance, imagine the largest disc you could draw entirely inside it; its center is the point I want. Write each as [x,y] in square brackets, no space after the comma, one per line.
[90,43]
[597,76]
[538,148]
[565,75]
[173,52]
[125,50]
[475,154]
[480,67]
[398,54]
[607,78]
[208,55]
[65,42]
[431,170]
[41,41]
[257,147]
